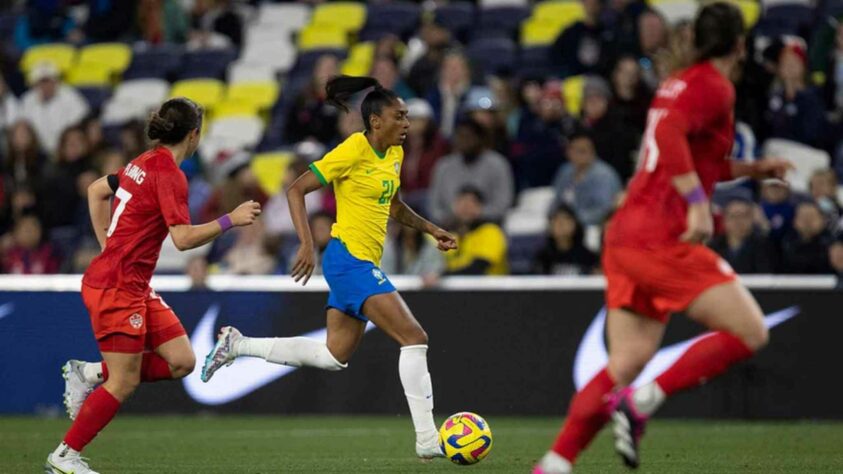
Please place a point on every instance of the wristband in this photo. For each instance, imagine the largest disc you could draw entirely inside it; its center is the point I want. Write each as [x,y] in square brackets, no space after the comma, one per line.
[225,222]
[696,196]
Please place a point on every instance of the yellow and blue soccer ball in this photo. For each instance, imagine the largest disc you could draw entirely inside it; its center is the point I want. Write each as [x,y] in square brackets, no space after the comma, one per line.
[465,438]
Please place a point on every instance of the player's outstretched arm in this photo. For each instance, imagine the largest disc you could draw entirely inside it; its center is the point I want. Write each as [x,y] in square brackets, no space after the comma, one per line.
[768,168]
[99,205]
[305,259]
[188,236]
[401,212]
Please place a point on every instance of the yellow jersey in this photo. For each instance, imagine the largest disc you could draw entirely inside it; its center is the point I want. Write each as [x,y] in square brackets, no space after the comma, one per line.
[486,242]
[364,184]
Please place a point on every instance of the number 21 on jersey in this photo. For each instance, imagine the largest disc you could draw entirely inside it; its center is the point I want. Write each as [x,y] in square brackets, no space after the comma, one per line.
[649,157]
[388,191]
[123,198]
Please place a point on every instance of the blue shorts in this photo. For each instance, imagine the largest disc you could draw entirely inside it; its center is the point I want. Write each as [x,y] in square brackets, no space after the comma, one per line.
[352,281]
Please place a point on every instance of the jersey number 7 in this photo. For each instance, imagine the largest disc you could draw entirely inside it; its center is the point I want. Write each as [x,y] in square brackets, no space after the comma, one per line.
[123,196]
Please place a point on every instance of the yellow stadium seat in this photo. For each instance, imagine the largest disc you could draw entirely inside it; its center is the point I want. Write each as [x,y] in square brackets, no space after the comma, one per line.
[270,169]
[348,16]
[360,58]
[563,12]
[115,56]
[260,94]
[356,68]
[319,36]
[205,92]
[62,55]
[572,89]
[235,108]
[535,32]
[90,74]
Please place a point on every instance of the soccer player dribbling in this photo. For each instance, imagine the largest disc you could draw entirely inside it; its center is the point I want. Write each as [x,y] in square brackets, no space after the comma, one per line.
[364,171]
[654,258]
[139,336]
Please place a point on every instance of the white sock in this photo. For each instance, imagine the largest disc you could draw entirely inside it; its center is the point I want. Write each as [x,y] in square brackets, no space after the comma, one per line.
[553,463]
[65,451]
[92,372]
[648,398]
[292,351]
[412,368]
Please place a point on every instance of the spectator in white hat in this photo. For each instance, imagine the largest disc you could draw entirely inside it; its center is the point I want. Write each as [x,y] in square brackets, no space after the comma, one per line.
[50,105]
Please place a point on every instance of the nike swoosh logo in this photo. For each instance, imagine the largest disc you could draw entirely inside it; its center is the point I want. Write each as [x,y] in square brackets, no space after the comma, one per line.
[6,309]
[592,355]
[246,375]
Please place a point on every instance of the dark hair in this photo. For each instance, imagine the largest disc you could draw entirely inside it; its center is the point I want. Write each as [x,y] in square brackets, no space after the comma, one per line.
[581,133]
[473,126]
[472,190]
[579,229]
[340,89]
[716,30]
[174,120]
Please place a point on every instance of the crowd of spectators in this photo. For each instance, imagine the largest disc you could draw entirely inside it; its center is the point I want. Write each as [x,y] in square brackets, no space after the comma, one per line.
[475,143]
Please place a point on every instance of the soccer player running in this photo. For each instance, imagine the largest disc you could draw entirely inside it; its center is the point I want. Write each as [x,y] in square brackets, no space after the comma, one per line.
[654,258]
[365,171]
[139,336]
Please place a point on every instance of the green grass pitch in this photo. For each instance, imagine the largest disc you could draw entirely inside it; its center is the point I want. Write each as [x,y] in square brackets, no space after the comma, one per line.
[272,444]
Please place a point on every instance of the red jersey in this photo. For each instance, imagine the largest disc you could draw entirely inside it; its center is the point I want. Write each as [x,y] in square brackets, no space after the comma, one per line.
[690,127]
[152,197]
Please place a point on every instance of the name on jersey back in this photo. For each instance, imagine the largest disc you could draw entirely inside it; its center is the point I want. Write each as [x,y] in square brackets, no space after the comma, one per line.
[134,173]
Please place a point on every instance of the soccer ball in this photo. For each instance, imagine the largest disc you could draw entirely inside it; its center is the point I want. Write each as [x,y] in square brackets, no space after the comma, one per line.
[465,438]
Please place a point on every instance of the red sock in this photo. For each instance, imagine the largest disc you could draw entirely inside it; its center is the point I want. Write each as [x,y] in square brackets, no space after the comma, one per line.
[586,416]
[154,367]
[705,359]
[97,411]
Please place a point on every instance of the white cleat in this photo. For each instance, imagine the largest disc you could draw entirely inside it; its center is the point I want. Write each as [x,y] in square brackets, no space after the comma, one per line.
[222,354]
[76,389]
[553,463]
[429,452]
[67,461]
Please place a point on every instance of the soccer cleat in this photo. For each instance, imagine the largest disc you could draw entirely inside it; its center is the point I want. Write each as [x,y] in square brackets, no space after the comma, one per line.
[629,426]
[429,452]
[552,463]
[67,461]
[221,355]
[76,389]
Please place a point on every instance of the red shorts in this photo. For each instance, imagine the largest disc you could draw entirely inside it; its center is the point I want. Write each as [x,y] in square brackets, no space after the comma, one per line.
[658,282]
[128,323]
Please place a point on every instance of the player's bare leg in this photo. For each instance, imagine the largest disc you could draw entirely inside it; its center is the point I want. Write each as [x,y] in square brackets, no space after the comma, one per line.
[390,313]
[732,313]
[633,339]
[344,334]
[179,356]
[97,411]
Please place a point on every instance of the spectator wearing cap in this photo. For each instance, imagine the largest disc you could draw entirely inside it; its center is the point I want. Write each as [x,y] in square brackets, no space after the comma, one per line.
[585,183]
[805,249]
[482,244]
[471,164]
[385,70]
[742,244]
[585,46]
[795,110]
[423,148]
[616,141]
[310,117]
[482,106]
[631,97]
[51,106]
[448,95]
[538,149]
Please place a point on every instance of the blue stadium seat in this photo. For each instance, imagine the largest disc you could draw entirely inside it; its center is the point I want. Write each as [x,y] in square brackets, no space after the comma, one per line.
[307,60]
[522,250]
[503,18]
[534,62]
[398,18]
[457,17]
[787,19]
[492,56]
[95,96]
[158,62]
[210,63]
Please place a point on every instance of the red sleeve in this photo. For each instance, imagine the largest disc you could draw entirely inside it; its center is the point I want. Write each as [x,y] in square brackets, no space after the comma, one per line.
[705,101]
[671,137]
[172,197]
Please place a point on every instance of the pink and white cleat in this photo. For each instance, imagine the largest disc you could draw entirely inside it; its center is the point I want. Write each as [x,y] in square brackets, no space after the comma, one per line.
[629,426]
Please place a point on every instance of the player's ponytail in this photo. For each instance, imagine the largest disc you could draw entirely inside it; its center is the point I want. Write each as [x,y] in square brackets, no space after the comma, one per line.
[341,89]
[717,29]
[174,120]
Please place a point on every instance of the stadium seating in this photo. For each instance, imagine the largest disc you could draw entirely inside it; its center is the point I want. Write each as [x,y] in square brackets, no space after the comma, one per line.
[89,74]
[347,16]
[493,56]
[95,96]
[60,54]
[260,94]
[675,11]
[235,108]
[210,63]
[134,99]
[205,92]
[154,62]
[360,58]
[505,19]
[786,19]
[572,91]
[397,18]
[242,70]
[269,169]
[322,37]
[279,55]
[115,57]
[534,62]
[231,134]
[457,17]
[751,10]
[804,158]
[283,16]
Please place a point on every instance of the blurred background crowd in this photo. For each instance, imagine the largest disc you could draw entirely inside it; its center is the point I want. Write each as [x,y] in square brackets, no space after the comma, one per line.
[525,121]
